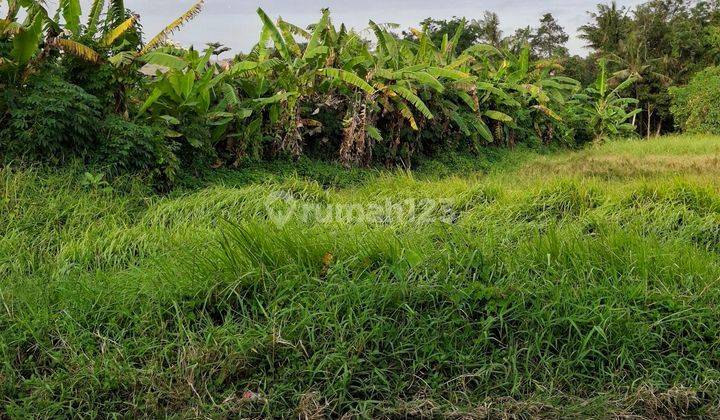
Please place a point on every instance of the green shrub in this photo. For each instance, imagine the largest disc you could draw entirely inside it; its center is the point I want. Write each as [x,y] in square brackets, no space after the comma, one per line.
[49,119]
[53,120]
[129,146]
[696,107]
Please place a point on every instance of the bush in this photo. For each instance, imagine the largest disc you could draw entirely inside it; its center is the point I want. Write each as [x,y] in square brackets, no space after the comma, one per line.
[696,107]
[49,119]
[53,120]
[136,147]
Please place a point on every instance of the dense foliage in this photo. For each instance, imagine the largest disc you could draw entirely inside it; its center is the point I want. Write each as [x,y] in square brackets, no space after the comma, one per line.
[662,43]
[71,88]
[50,118]
[323,91]
[696,107]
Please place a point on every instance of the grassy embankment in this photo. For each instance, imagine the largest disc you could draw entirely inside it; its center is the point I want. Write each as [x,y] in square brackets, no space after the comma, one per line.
[571,283]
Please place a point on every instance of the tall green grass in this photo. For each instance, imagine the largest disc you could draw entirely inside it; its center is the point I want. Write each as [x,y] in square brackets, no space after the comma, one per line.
[548,289]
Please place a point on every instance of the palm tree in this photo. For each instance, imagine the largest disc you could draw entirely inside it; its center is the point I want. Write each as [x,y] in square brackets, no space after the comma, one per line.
[608,28]
[633,61]
[490,29]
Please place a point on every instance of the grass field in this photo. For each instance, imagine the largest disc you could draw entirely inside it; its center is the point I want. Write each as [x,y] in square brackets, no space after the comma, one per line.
[569,283]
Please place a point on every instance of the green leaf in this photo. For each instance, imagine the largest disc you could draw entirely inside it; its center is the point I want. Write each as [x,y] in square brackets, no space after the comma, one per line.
[26,42]
[482,128]
[624,85]
[288,36]
[380,35]
[242,67]
[481,49]
[459,121]
[467,99]
[154,96]
[165,60]
[170,119]
[347,77]
[524,61]
[315,51]
[409,96]
[244,113]
[456,38]
[373,132]
[448,73]
[498,116]
[94,16]
[549,83]
[426,79]
[275,35]
[71,12]
[316,37]
[182,83]
[194,142]
[275,99]
[122,58]
[116,12]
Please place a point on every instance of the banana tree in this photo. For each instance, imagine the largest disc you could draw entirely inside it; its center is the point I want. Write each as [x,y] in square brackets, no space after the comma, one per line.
[533,93]
[472,102]
[33,39]
[118,40]
[397,104]
[96,45]
[602,109]
[544,93]
[22,41]
[473,98]
[488,93]
[295,75]
[187,98]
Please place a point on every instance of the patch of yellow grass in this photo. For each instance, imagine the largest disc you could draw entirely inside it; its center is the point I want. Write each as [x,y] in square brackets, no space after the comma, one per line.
[693,157]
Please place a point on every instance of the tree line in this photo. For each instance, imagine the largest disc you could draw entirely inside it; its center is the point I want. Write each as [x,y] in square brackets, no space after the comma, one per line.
[661,44]
[73,88]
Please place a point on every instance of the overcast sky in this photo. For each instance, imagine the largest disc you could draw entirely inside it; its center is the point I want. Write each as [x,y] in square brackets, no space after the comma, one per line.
[234,22]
